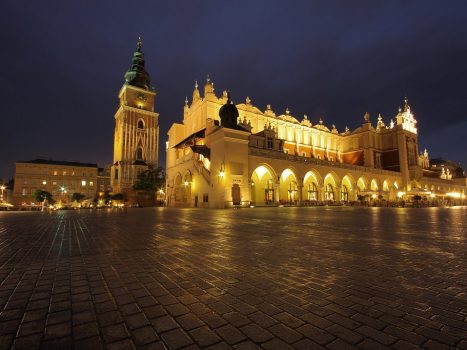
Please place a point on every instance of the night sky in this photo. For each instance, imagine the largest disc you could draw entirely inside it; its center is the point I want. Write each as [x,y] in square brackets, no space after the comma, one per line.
[62,65]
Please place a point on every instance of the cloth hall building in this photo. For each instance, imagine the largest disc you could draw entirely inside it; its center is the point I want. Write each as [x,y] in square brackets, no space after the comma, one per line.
[225,155]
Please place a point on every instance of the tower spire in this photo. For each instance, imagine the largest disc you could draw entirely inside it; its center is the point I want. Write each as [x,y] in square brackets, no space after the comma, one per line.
[136,75]
[139,43]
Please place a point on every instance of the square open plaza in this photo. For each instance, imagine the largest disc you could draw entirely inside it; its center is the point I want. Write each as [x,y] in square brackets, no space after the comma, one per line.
[333,239]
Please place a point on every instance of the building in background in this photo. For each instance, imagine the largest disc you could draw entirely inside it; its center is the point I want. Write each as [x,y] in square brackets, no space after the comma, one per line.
[136,135]
[225,155]
[60,178]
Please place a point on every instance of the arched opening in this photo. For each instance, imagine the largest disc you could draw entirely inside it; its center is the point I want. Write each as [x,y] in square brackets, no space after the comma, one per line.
[374,185]
[347,188]
[344,194]
[328,192]
[262,186]
[310,187]
[312,192]
[139,153]
[288,189]
[292,192]
[178,188]
[187,183]
[140,124]
[330,187]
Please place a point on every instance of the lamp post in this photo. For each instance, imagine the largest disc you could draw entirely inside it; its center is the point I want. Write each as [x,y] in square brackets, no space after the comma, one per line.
[2,187]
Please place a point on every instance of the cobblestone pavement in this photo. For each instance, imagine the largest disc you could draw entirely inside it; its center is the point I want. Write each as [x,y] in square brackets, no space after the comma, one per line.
[272,278]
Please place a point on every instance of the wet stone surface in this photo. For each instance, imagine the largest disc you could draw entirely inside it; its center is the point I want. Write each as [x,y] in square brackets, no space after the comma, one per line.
[272,278]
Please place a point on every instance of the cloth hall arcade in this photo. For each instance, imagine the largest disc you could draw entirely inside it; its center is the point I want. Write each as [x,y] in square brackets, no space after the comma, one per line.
[225,155]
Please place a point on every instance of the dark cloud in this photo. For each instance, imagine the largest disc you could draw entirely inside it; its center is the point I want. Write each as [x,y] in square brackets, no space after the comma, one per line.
[62,65]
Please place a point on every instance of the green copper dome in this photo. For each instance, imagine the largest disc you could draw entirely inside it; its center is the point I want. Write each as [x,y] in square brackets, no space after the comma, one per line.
[137,75]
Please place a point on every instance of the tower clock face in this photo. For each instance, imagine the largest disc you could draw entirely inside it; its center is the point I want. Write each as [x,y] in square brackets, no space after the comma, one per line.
[141,96]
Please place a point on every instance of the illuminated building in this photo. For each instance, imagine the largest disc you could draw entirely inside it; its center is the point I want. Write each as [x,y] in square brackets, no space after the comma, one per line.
[136,134]
[224,155]
[59,178]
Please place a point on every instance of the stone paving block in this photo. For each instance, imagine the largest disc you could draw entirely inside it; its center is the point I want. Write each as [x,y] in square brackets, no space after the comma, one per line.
[86,330]
[145,335]
[316,334]
[164,323]
[115,332]
[58,330]
[176,339]
[189,322]
[256,333]
[276,344]
[203,336]
[231,334]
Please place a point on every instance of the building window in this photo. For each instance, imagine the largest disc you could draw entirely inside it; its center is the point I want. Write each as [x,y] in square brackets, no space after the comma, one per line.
[205,198]
[54,183]
[91,183]
[83,183]
[24,191]
[44,182]
[312,192]
[64,173]
[329,193]
[270,143]
[344,194]
[140,124]
[55,172]
[269,192]
[139,154]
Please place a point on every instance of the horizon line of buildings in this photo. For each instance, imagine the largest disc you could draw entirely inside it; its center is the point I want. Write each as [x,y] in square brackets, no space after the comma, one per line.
[223,155]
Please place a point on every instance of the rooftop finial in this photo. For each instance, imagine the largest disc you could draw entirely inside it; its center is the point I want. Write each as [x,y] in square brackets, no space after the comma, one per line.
[406,103]
[139,43]
[196,84]
[186,100]
[207,78]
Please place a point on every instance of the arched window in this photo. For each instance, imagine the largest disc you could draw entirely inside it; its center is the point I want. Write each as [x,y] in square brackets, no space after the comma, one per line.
[329,193]
[140,124]
[139,154]
[344,194]
[312,192]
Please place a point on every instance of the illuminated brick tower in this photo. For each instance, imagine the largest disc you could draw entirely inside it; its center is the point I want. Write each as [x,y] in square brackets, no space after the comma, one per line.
[136,136]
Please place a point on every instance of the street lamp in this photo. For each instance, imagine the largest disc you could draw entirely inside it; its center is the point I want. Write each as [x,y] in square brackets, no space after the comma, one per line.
[2,187]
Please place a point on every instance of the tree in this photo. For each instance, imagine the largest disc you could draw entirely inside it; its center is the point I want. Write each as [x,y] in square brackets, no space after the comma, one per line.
[117,197]
[40,196]
[150,180]
[78,197]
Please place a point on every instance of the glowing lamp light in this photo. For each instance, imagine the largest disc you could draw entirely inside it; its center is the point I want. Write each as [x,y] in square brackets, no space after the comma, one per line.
[453,194]
[400,194]
[432,195]
[222,173]
[186,183]
[374,196]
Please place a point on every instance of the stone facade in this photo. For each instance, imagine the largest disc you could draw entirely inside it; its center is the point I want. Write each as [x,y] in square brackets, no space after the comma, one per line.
[277,159]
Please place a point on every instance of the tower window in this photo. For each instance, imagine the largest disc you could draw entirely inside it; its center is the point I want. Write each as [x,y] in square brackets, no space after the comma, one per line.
[140,124]
[139,153]
[116,174]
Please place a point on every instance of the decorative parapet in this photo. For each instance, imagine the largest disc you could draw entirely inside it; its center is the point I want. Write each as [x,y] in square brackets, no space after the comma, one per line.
[261,152]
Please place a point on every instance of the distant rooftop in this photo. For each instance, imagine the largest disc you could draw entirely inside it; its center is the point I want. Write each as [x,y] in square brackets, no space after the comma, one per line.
[59,162]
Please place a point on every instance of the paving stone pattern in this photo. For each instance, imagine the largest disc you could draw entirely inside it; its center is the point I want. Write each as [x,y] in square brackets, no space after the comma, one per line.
[271,278]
